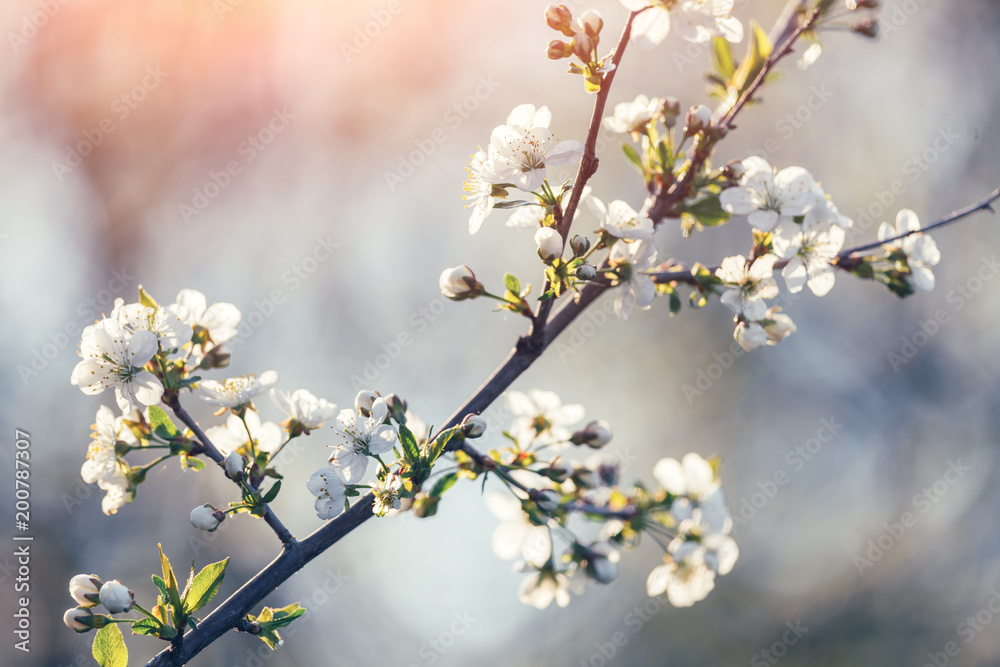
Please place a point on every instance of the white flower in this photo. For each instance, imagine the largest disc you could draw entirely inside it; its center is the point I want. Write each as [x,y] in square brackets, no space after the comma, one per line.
[921,251]
[778,326]
[550,244]
[207,518]
[684,577]
[236,391]
[693,20]
[522,150]
[418,427]
[749,283]
[116,597]
[542,416]
[692,477]
[387,494]
[767,195]
[113,357]
[116,488]
[482,196]
[459,283]
[303,408]
[266,436]
[527,217]
[697,119]
[328,487]
[637,288]
[633,116]
[101,458]
[363,437]
[544,584]
[219,320]
[750,335]
[810,56]
[516,536]
[811,249]
[84,589]
[170,331]
[621,220]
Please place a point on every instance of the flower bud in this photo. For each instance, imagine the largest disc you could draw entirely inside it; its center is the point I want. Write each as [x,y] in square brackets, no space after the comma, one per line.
[586,478]
[698,118]
[862,4]
[80,619]
[866,28]
[546,499]
[116,597]
[596,434]
[601,563]
[558,49]
[459,283]
[234,465]
[586,272]
[207,518]
[559,17]
[579,244]
[591,23]
[558,472]
[583,47]
[671,111]
[473,426]
[364,400]
[84,589]
[778,326]
[550,244]
[608,471]
[217,357]
[734,171]
[397,407]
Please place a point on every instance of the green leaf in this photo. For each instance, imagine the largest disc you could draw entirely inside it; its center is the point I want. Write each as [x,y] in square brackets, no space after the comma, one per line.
[146,626]
[161,424]
[271,619]
[633,157]
[722,58]
[160,584]
[205,585]
[109,647]
[173,594]
[145,299]
[443,484]
[514,203]
[757,54]
[409,442]
[436,448]
[272,492]
[708,211]
[666,157]
[511,282]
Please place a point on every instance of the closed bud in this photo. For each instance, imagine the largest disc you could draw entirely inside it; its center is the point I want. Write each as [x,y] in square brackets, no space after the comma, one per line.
[550,244]
[596,434]
[473,426]
[364,400]
[863,4]
[608,471]
[601,563]
[698,118]
[591,23]
[734,171]
[116,597]
[579,244]
[207,518]
[866,28]
[217,357]
[586,272]
[80,619]
[583,47]
[234,465]
[459,283]
[558,49]
[558,472]
[84,589]
[546,499]
[586,478]
[397,408]
[671,111]
[559,17]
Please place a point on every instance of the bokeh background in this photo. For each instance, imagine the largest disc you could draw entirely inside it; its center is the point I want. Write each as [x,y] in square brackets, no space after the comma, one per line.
[341,207]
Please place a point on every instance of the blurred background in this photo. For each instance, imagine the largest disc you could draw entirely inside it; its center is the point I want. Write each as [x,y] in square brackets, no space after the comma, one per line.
[305,161]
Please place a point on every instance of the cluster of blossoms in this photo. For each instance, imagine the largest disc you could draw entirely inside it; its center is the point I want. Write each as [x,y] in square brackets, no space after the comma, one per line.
[692,20]
[687,517]
[89,591]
